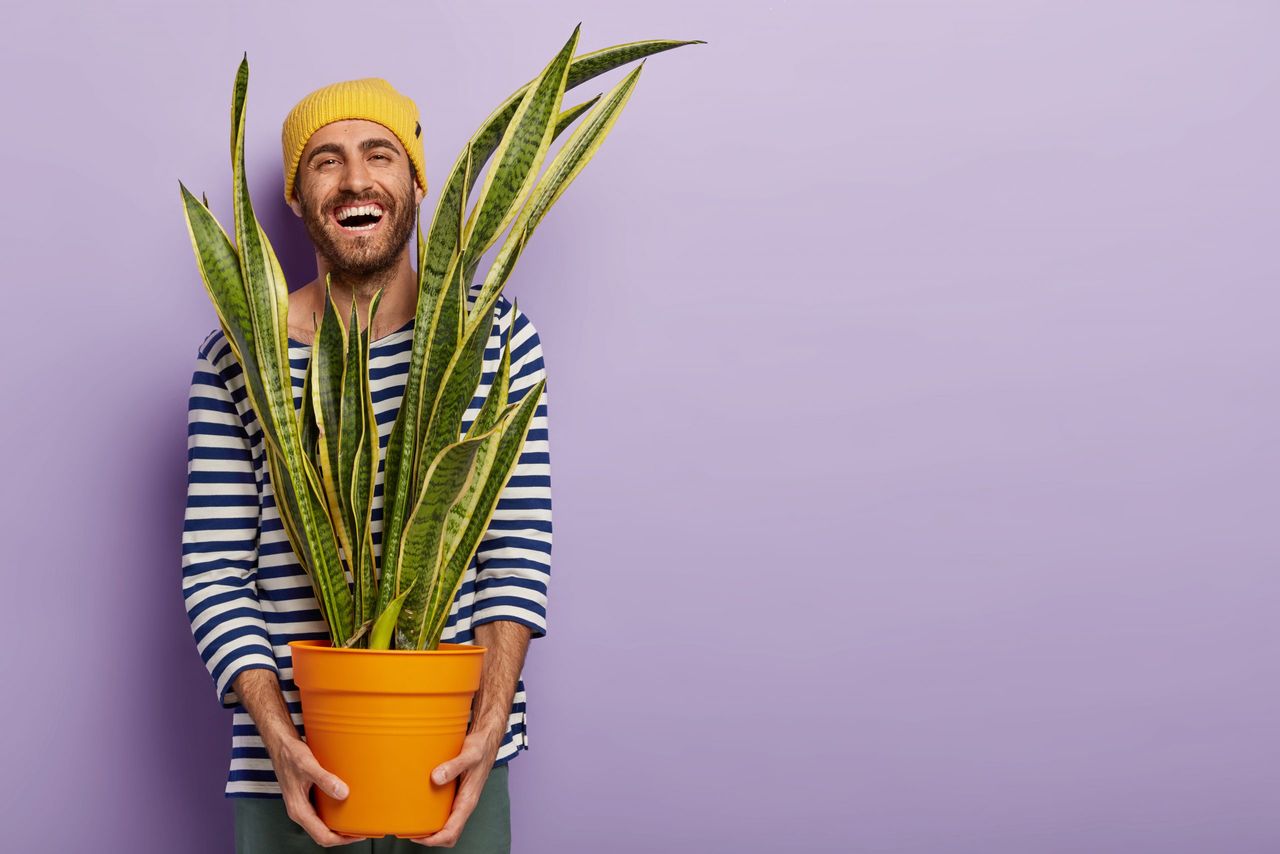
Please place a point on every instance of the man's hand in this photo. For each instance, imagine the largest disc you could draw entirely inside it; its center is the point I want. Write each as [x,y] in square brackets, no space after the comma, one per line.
[296,767]
[297,771]
[506,643]
[473,763]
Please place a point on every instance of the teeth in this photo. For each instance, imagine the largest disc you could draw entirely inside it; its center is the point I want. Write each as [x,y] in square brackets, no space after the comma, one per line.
[367,210]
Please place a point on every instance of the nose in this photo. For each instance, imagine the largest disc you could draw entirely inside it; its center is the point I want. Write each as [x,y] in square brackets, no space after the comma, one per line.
[355,176]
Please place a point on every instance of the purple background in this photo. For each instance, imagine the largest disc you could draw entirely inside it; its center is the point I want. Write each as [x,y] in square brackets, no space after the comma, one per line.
[912,407]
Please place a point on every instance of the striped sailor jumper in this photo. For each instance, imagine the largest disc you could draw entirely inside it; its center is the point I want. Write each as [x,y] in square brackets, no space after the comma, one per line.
[247,595]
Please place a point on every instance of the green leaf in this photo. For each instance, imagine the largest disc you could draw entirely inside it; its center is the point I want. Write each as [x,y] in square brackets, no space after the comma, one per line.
[365,465]
[328,356]
[567,117]
[380,637]
[446,325]
[568,163]
[352,427]
[583,68]
[461,378]
[474,508]
[400,476]
[420,553]
[519,154]
[364,627]
[220,272]
[322,460]
[436,255]
[499,389]
[268,301]
[309,431]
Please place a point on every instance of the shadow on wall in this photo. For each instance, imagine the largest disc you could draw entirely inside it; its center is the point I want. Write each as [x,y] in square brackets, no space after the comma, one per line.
[184,733]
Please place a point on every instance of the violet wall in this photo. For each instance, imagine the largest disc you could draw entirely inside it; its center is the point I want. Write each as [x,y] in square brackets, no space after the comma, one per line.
[912,403]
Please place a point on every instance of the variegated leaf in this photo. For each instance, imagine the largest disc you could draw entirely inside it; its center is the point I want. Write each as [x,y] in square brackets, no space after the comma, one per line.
[476,507]
[420,553]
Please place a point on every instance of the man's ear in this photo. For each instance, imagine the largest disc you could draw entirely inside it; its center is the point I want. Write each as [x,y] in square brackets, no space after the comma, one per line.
[295,204]
[418,194]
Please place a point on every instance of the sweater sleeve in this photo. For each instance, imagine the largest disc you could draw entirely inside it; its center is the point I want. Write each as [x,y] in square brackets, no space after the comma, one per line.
[513,561]
[220,532]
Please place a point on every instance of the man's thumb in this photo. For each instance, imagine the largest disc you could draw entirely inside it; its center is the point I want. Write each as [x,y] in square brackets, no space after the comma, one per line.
[335,787]
[330,783]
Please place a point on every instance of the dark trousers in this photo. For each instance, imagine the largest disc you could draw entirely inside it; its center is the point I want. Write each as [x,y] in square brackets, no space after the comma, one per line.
[264,827]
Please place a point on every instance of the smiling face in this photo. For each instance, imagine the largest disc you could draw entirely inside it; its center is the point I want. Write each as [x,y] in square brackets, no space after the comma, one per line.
[357,196]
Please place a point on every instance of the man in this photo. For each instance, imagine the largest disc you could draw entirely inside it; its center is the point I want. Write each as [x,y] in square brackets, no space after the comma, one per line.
[354,172]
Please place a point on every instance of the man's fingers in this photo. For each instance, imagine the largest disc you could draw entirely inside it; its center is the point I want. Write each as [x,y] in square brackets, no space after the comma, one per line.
[343,839]
[298,773]
[471,754]
[446,836]
[463,805]
[329,783]
[304,815]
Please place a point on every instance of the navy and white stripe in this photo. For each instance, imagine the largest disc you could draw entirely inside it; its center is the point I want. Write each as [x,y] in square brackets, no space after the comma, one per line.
[246,594]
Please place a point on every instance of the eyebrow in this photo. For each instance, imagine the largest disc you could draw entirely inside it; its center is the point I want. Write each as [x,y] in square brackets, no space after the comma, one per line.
[334,148]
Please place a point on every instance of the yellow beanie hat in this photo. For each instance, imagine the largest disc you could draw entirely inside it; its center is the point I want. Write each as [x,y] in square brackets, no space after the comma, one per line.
[370,98]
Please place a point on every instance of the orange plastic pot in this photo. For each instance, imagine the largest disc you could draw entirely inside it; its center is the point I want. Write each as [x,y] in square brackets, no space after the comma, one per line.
[382,720]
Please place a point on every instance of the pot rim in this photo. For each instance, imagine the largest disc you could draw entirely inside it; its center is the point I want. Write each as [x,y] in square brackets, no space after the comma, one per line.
[327,646]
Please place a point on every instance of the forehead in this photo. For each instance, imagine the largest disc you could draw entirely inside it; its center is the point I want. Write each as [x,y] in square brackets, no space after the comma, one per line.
[350,132]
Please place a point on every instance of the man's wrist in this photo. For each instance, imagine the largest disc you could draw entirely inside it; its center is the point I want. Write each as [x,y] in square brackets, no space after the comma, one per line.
[506,642]
[277,738]
[259,691]
[493,727]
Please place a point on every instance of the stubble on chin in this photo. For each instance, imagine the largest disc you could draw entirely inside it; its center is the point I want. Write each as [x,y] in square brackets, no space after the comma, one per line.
[362,256]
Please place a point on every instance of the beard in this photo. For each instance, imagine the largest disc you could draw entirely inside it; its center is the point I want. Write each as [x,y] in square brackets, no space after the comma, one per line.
[352,257]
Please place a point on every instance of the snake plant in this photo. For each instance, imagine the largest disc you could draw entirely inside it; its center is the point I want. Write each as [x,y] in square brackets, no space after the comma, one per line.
[439,490]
